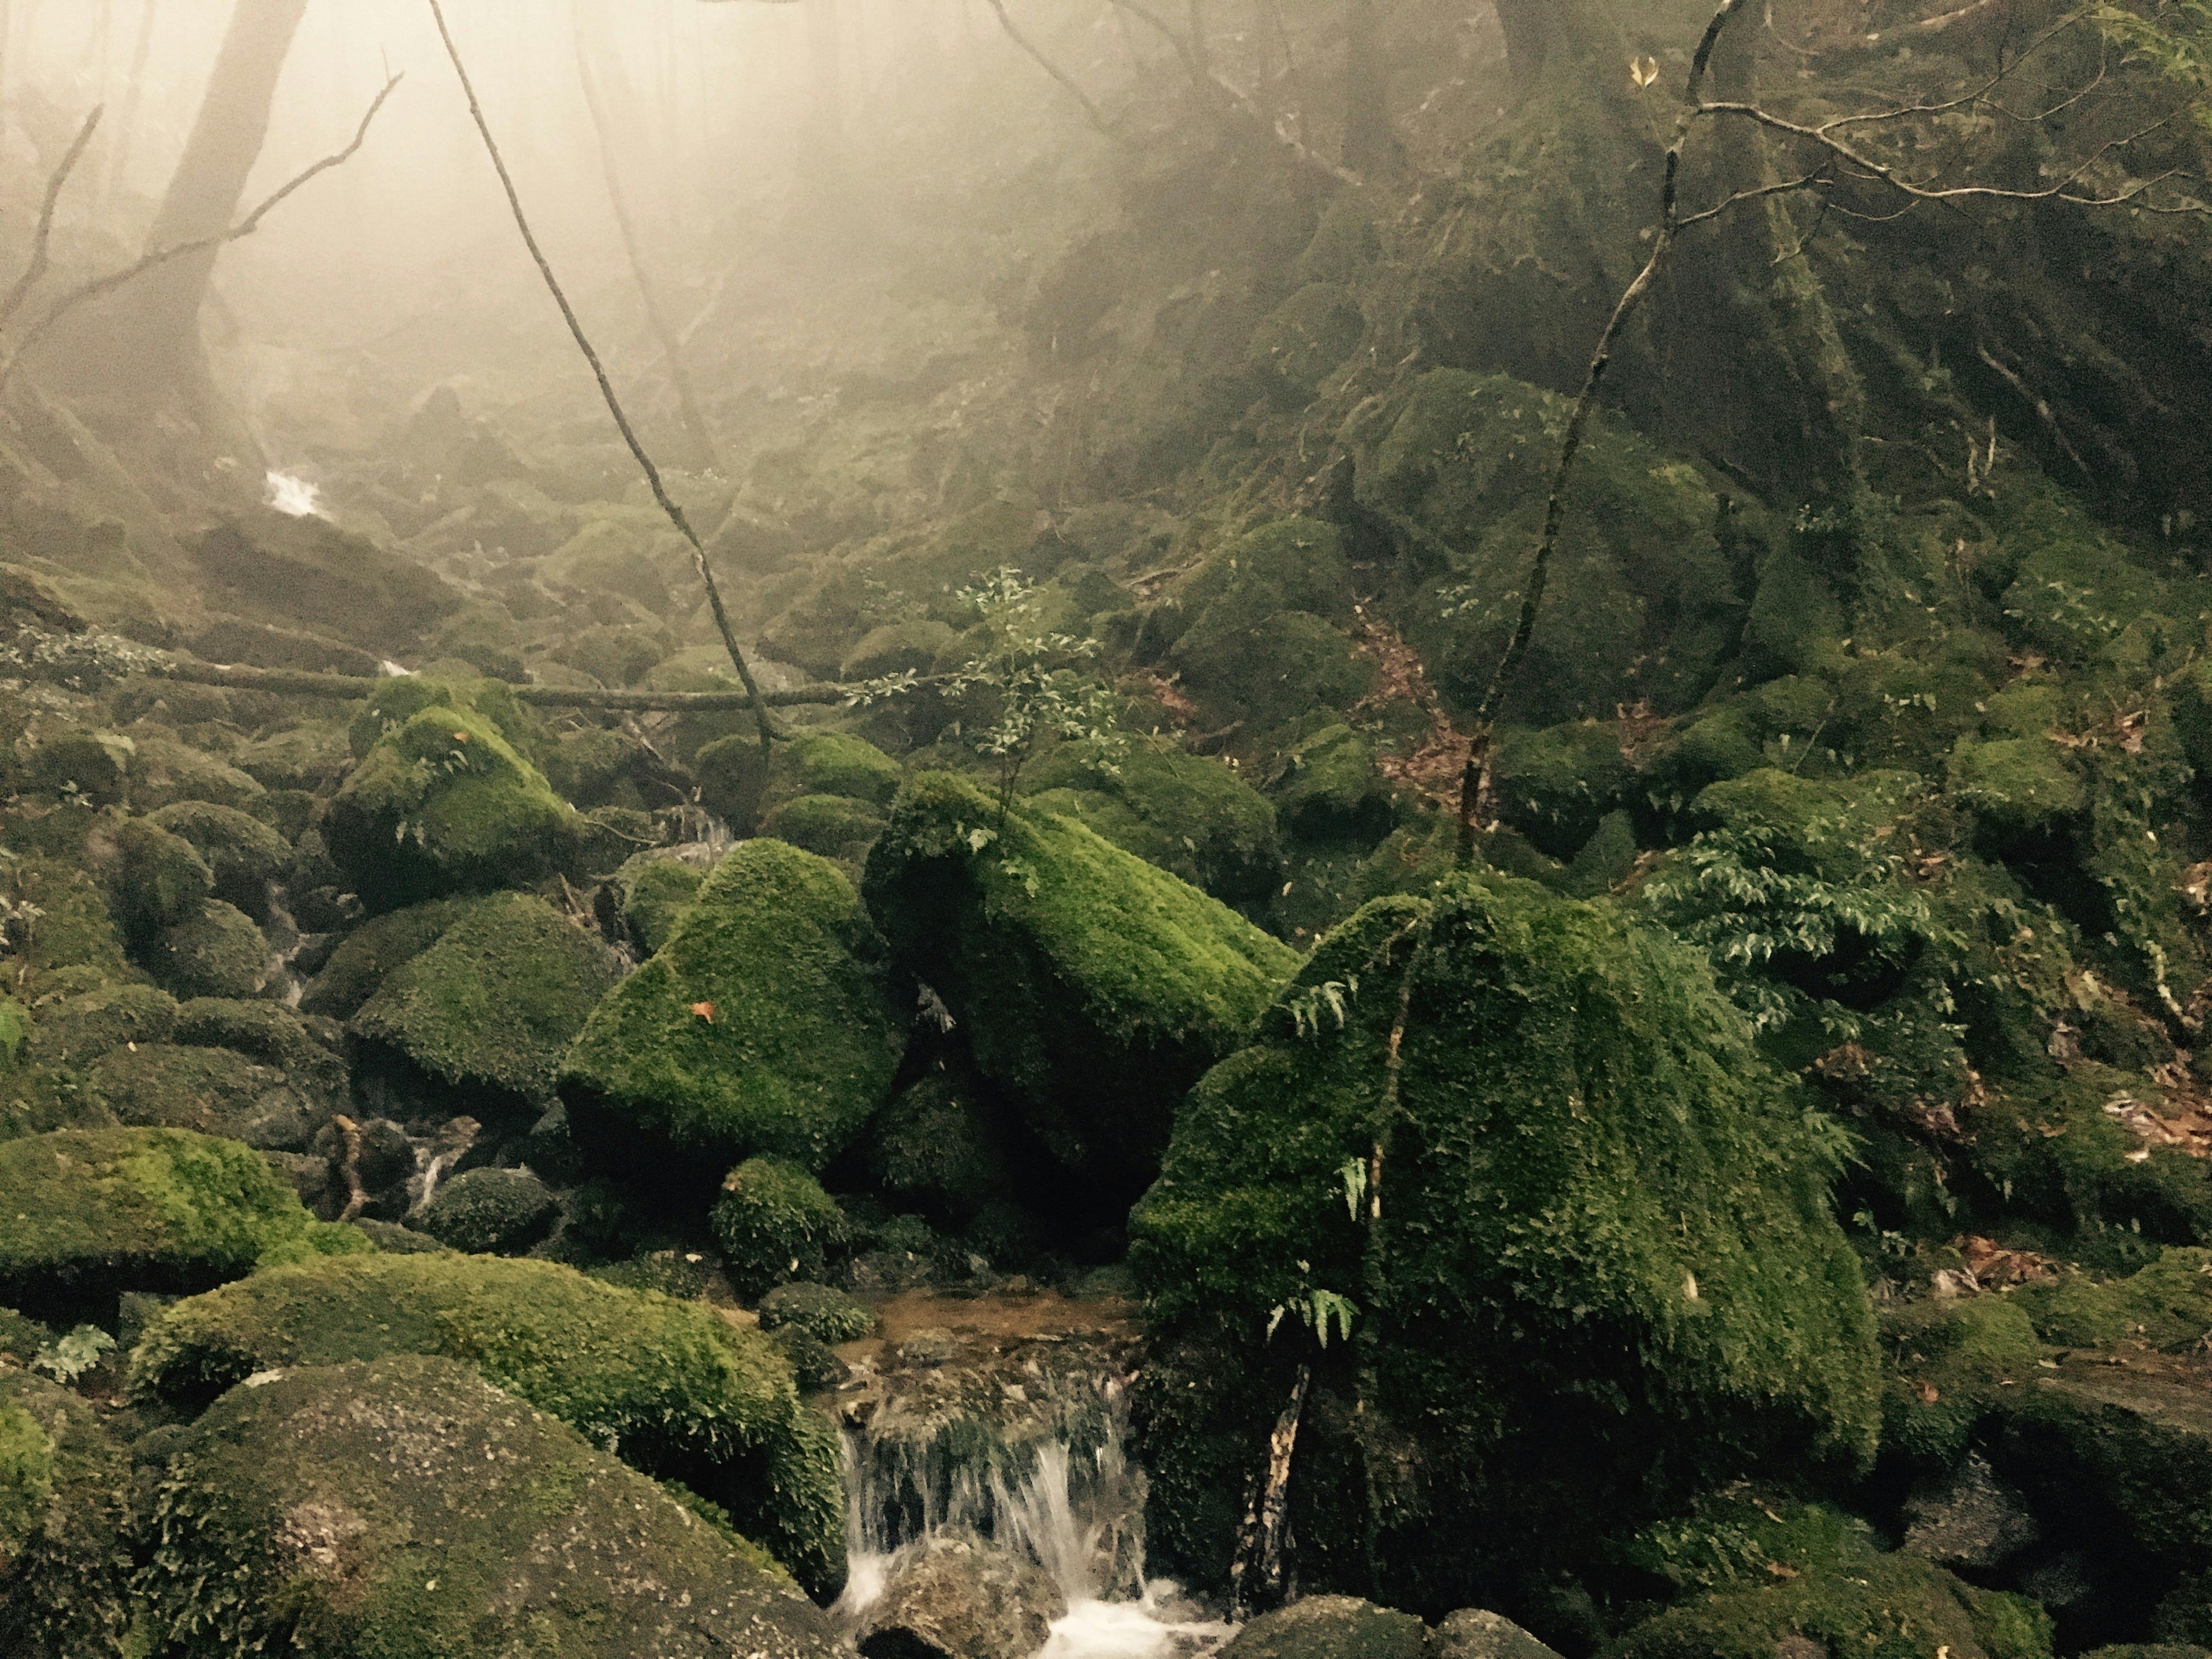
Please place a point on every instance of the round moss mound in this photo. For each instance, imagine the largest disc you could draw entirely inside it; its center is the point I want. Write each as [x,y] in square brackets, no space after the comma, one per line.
[155,880]
[1331,1627]
[408,1509]
[775,1223]
[217,952]
[375,950]
[833,763]
[490,1212]
[1184,812]
[94,1212]
[674,1388]
[1606,1227]
[1094,987]
[213,1090]
[764,1025]
[823,1311]
[65,1563]
[485,1013]
[654,892]
[243,853]
[444,804]
[833,826]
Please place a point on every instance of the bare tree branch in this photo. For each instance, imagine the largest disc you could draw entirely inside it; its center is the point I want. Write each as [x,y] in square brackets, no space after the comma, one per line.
[159,257]
[1096,116]
[675,513]
[42,238]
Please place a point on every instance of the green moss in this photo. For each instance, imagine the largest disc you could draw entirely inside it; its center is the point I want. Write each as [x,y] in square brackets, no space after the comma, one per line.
[2073,590]
[1259,642]
[1741,1539]
[1950,1363]
[1608,1228]
[487,1012]
[273,1034]
[654,892]
[1307,335]
[244,853]
[213,1090]
[1887,1607]
[2019,786]
[74,1030]
[445,804]
[832,763]
[490,1212]
[1093,986]
[165,771]
[311,755]
[96,1213]
[763,1025]
[829,826]
[14,1033]
[2166,1305]
[825,1313]
[732,781]
[912,646]
[218,952]
[936,1149]
[73,928]
[589,764]
[1794,624]
[465,1521]
[1187,814]
[75,760]
[1553,786]
[676,1389]
[1331,1627]
[1325,784]
[774,1225]
[399,700]
[155,880]
[64,1562]
[375,950]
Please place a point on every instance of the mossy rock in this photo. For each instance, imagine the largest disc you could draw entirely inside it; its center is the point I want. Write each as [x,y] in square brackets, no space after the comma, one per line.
[155,880]
[1260,643]
[490,1212]
[654,891]
[589,764]
[214,1092]
[1886,1606]
[273,1034]
[75,1029]
[833,763]
[77,759]
[482,1018]
[1307,335]
[823,1311]
[444,804]
[763,1025]
[74,927]
[1331,1627]
[94,1214]
[218,952]
[936,1148]
[831,826]
[312,756]
[546,1544]
[65,1490]
[1951,1363]
[244,854]
[164,772]
[605,838]
[775,1224]
[1745,1538]
[1555,785]
[678,1390]
[1093,986]
[376,949]
[2166,1305]
[14,1033]
[1191,816]
[399,700]
[914,647]
[1610,1224]
[733,779]
[1325,783]
[2020,787]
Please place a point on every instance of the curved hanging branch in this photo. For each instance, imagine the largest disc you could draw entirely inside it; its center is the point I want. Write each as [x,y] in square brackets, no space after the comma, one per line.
[159,257]
[667,503]
[42,238]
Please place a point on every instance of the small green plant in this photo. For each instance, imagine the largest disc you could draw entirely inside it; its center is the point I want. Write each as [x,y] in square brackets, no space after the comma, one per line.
[1331,998]
[1317,1310]
[68,1358]
[1032,670]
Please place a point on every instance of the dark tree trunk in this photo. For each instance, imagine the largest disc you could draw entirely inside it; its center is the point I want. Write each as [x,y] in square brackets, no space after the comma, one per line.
[1528,26]
[1367,141]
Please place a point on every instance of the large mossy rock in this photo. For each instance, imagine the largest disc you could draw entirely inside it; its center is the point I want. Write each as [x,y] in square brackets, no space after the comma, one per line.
[216,952]
[1331,1627]
[764,1025]
[1605,1229]
[671,1387]
[376,949]
[1093,986]
[65,1564]
[87,1214]
[406,1508]
[444,804]
[478,1023]
[216,1092]
[959,1597]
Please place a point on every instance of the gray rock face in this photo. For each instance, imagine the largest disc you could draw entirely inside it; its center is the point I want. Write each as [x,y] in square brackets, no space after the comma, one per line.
[957,1597]
[1331,1627]
[1973,1520]
[490,1212]
[1473,1633]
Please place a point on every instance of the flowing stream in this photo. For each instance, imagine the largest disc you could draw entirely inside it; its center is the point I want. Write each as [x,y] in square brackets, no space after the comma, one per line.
[1030,1448]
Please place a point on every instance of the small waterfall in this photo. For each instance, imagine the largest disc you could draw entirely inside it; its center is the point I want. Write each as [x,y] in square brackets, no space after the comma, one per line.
[1039,1466]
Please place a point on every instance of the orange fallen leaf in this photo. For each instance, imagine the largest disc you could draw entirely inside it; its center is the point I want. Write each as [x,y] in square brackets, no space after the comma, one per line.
[705,1010]
[460,737]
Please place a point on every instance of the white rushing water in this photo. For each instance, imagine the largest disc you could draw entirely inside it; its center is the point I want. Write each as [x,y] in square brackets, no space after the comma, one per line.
[1077,1511]
[288,492]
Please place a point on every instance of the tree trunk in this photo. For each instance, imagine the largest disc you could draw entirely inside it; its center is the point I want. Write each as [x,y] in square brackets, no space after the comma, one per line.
[148,344]
[1528,26]
[118,159]
[1367,143]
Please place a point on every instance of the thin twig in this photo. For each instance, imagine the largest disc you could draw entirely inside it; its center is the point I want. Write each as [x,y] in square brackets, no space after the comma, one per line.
[1097,117]
[675,513]
[42,238]
[2038,404]
[156,257]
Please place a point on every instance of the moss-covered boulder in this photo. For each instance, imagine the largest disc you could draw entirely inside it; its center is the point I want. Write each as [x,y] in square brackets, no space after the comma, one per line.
[73,927]
[2020,787]
[373,950]
[155,880]
[834,827]
[1555,785]
[216,1092]
[1331,1627]
[835,763]
[76,1028]
[243,853]
[1950,1363]
[1186,813]
[65,1563]
[672,1387]
[764,1025]
[298,1510]
[653,892]
[307,1053]
[1605,1226]
[823,1311]
[93,1213]
[1093,986]
[1885,1606]
[939,1149]
[2166,1305]
[444,804]
[478,1022]
[217,951]
[774,1225]
[490,1212]
[1325,783]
